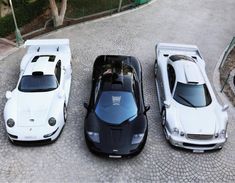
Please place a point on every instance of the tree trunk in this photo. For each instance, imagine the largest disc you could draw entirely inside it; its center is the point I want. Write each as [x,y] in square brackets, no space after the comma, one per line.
[120,5]
[5,8]
[58,16]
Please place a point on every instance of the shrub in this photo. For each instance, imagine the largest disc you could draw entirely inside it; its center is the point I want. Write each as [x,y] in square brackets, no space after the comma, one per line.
[24,14]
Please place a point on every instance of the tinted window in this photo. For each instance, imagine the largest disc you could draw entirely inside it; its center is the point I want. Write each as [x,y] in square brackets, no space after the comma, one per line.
[174,58]
[171,77]
[58,71]
[192,95]
[38,83]
[116,107]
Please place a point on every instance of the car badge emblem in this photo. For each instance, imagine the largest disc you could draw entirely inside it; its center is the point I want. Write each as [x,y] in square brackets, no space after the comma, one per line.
[30,129]
[116,100]
[115,150]
[31,120]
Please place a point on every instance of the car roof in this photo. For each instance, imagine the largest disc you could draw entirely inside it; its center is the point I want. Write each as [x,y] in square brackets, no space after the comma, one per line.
[41,63]
[188,72]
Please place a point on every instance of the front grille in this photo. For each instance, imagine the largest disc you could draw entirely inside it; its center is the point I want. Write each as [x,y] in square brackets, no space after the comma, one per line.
[199,146]
[200,136]
[32,143]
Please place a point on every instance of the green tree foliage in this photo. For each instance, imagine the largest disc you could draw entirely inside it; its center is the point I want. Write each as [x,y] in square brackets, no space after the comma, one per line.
[25,11]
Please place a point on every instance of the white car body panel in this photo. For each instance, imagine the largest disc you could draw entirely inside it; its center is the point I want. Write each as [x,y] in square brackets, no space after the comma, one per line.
[32,110]
[198,122]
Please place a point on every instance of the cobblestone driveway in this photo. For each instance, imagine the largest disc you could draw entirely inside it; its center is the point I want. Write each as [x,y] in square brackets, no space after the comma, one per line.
[206,23]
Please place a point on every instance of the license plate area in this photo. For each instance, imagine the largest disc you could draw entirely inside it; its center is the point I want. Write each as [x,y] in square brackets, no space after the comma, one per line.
[115,156]
[198,151]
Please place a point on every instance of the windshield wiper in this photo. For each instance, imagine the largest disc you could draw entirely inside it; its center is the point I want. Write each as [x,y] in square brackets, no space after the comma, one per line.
[186,100]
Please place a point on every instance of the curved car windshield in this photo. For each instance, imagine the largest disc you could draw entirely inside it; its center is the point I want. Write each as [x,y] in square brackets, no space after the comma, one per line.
[192,95]
[116,107]
[39,83]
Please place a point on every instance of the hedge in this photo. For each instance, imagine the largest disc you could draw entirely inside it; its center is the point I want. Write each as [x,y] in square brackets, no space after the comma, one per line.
[24,14]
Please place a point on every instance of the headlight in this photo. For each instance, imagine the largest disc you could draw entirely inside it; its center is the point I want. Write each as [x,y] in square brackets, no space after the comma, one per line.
[10,123]
[223,134]
[175,131]
[94,136]
[52,121]
[132,118]
[137,138]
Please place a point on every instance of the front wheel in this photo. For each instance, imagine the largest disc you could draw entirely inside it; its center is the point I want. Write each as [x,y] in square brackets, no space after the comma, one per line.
[65,113]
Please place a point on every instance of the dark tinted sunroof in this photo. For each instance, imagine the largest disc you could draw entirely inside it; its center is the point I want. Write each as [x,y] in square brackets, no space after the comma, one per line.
[174,58]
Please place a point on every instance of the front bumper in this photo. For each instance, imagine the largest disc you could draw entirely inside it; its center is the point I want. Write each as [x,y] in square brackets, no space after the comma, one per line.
[195,145]
[131,150]
[33,134]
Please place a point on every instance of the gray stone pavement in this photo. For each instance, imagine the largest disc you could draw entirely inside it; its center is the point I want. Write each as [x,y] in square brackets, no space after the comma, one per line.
[6,48]
[207,23]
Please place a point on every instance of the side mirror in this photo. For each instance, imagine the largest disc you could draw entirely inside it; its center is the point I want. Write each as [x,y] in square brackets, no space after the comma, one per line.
[225,107]
[61,94]
[167,104]
[85,105]
[146,108]
[8,95]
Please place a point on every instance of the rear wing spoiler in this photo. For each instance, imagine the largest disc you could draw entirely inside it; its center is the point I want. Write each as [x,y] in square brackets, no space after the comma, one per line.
[49,45]
[46,42]
[169,48]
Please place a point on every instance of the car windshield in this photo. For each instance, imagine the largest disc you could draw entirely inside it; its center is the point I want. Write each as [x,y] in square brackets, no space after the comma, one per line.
[116,107]
[38,83]
[192,95]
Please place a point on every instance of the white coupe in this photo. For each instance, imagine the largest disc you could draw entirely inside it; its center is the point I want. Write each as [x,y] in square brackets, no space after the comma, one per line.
[36,110]
[192,118]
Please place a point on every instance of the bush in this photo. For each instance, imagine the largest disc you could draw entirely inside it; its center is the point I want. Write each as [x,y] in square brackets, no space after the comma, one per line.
[24,14]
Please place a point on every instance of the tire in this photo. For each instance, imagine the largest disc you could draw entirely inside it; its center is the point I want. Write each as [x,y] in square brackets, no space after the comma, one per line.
[65,113]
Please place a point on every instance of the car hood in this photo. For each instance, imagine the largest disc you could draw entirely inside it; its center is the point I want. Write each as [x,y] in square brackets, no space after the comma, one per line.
[198,120]
[33,108]
[116,138]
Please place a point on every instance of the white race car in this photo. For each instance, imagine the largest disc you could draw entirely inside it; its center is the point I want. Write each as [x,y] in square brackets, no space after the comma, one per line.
[192,118]
[36,110]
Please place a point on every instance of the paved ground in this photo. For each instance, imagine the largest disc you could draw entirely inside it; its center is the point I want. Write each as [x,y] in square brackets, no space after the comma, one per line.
[207,23]
[6,48]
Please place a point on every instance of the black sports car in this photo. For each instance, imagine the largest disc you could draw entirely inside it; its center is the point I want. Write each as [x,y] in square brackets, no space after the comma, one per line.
[116,123]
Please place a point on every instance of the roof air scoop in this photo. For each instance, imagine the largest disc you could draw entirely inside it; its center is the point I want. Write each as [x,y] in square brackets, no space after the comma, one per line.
[192,74]
[37,73]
